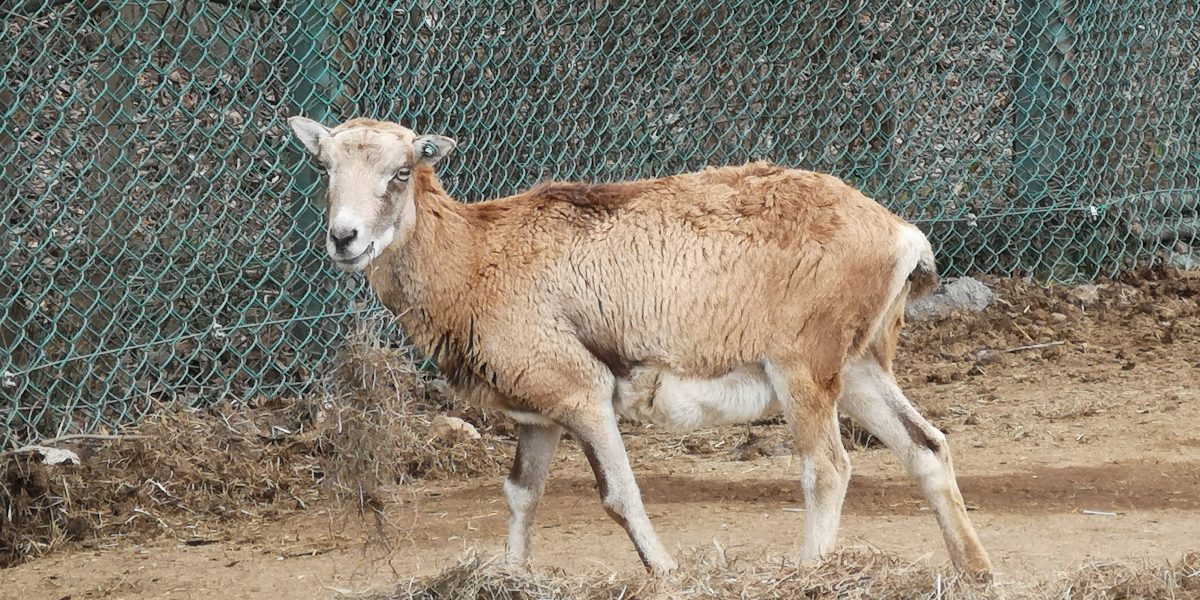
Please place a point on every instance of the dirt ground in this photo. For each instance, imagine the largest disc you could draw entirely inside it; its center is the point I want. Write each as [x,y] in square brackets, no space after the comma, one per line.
[1102,415]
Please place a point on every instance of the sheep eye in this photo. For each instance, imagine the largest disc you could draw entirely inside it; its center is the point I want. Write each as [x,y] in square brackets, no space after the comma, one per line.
[402,174]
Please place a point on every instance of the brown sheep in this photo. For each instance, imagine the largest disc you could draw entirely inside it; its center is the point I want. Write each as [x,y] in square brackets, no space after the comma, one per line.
[702,298]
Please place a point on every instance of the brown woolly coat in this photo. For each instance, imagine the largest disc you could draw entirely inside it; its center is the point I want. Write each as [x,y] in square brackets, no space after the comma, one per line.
[526,300]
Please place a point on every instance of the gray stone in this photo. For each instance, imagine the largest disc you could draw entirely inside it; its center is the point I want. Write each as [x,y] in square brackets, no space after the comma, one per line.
[988,357]
[452,429]
[1086,294]
[962,294]
[1187,261]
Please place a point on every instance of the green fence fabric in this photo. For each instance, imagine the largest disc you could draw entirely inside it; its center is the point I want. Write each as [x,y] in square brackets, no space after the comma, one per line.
[161,236]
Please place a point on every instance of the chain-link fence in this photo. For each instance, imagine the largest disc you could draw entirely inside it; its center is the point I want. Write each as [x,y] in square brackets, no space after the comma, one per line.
[161,236]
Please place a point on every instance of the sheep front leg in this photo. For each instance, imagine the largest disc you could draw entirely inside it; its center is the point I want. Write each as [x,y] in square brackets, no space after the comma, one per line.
[619,493]
[825,466]
[523,488]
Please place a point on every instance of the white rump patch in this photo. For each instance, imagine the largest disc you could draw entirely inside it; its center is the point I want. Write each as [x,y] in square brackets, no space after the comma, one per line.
[912,249]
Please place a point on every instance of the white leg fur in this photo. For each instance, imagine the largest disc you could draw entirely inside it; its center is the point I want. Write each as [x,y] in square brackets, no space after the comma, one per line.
[619,493]
[524,486]
[825,466]
[872,398]
[824,478]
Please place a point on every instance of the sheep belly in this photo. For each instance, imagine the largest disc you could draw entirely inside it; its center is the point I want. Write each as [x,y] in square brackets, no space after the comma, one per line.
[687,403]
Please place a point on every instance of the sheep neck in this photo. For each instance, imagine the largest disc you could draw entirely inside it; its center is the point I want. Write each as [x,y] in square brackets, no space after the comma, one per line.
[422,278]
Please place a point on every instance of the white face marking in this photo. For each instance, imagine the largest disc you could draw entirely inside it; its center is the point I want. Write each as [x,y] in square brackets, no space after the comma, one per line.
[366,208]
[370,166]
[359,261]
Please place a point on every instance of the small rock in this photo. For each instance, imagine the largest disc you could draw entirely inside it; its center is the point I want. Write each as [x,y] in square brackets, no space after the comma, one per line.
[942,378]
[964,293]
[1058,317]
[758,446]
[452,429]
[1187,261]
[1087,294]
[984,358]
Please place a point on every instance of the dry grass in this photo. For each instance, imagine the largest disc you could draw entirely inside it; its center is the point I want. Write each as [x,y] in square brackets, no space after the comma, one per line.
[1180,579]
[190,470]
[850,575]
[376,424]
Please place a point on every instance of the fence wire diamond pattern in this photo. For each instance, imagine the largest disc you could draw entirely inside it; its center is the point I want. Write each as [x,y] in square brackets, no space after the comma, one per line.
[161,235]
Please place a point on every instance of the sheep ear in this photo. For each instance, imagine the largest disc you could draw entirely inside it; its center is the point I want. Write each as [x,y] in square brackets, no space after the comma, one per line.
[429,149]
[309,132]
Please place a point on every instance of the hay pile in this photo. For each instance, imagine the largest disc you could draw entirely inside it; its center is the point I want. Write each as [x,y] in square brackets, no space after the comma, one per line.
[851,575]
[1179,580]
[184,472]
[847,575]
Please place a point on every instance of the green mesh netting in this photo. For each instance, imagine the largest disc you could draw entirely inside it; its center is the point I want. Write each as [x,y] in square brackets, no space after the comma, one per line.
[161,238]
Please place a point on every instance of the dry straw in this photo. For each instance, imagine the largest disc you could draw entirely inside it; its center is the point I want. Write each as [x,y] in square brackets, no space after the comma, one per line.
[849,575]
[186,471]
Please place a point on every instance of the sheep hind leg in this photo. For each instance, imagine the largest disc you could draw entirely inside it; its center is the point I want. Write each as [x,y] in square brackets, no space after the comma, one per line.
[873,399]
[523,488]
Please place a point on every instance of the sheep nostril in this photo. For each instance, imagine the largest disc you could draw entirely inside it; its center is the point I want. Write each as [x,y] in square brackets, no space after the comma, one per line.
[342,237]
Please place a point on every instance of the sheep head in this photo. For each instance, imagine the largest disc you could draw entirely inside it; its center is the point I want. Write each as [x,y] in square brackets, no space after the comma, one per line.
[369,168]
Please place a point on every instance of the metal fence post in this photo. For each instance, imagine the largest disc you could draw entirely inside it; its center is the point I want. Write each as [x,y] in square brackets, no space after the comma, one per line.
[1038,146]
[315,90]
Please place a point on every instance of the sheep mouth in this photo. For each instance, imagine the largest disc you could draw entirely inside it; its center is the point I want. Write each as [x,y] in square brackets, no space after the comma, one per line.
[350,262]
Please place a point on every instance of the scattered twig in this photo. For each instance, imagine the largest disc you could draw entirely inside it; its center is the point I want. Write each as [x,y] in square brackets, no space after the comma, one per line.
[67,438]
[1099,513]
[141,511]
[200,542]
[309,552]
[1023,333]
[94,436]
[1035,346]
